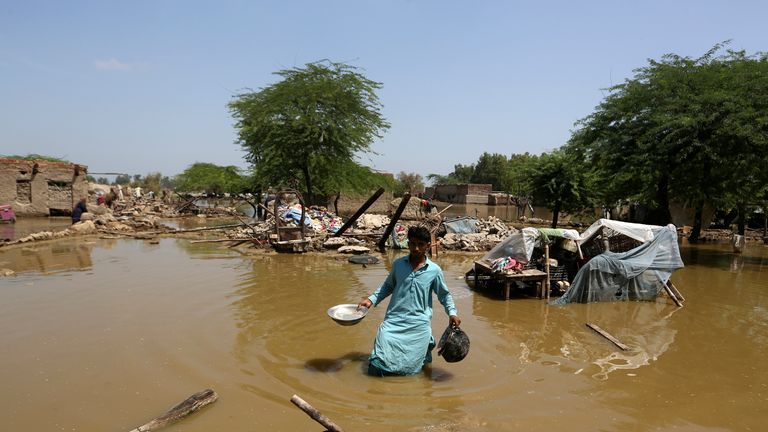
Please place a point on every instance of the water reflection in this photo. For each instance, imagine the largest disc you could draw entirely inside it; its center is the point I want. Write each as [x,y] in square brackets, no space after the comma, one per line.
[49,257]
[28,225]
[146,325]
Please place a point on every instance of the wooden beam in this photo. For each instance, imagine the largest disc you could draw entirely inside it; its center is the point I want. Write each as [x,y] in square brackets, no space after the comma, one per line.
[672,295]
[608,336]
[315,414]
[675,290]
[359,212]
[383,242]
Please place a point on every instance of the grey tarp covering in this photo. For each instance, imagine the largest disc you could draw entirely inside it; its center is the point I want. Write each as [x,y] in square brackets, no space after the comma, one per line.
[638,274]
[461,225]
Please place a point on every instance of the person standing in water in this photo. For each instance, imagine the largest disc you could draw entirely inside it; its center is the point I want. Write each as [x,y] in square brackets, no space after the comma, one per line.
[404,341]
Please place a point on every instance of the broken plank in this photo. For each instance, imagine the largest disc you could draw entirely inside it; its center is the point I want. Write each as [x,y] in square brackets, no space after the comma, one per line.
[608,336]
[315,414]
[675,290]
[359,212]
[672,295]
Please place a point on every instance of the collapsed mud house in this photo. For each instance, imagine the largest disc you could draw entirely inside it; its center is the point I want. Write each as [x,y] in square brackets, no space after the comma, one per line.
[41,188]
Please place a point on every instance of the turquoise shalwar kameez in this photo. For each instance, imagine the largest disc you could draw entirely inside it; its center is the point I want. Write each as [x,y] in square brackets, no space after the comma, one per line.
[404,341]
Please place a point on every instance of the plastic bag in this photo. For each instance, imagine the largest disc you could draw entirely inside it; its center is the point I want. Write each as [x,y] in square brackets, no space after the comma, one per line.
[453,345]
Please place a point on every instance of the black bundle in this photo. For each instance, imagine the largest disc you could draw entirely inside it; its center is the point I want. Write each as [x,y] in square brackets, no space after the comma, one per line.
[453,345]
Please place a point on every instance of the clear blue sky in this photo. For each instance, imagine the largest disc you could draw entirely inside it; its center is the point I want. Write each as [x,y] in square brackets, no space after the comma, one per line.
[143,86]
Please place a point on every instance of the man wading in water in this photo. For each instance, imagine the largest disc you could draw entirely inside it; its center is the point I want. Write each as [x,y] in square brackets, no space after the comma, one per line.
[404,341]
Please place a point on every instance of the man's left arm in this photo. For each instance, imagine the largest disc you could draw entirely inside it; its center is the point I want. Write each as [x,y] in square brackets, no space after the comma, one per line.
[446,299]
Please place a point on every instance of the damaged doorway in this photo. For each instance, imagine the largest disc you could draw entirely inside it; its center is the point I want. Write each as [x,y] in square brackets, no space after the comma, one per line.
[23,192]
[59,198]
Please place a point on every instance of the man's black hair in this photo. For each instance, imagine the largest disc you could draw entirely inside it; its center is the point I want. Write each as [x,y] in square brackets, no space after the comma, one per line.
[419,233]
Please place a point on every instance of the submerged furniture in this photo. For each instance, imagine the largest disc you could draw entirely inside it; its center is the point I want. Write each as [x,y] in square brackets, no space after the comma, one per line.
[484,272]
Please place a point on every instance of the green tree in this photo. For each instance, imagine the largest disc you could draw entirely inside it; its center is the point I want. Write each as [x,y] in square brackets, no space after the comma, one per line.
[682,129]
[461,174]
[325,112]
[123,179]
[493,169]
[561,184]
[350,178]
[409,182]
[151,182]
[211,179]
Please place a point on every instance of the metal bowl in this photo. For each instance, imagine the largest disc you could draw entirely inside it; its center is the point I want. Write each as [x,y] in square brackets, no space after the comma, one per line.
[347,314]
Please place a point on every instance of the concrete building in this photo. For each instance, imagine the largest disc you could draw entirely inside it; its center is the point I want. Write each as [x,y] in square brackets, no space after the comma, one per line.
[460,193]
[41,188]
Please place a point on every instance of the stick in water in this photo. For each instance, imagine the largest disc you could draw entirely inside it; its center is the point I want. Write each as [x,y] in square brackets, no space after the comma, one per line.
[608,336]
[185,408]
[315,414]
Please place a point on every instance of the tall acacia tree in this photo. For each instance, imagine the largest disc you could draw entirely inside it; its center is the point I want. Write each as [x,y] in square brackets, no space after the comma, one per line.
[316,118]
[683,129]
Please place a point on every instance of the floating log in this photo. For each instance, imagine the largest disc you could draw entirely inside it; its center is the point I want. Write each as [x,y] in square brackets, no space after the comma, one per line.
[315,414]
[608,336]
[383,242]
[359,212]
[180,411]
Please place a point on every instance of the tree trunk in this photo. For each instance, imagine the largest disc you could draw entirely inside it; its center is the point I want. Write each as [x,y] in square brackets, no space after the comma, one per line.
[696,232]
[336,202]
[308,184]
[555,214]
[742,217]
[661,215]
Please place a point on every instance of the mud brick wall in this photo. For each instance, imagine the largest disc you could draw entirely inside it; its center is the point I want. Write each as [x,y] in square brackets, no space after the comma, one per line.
[38,187]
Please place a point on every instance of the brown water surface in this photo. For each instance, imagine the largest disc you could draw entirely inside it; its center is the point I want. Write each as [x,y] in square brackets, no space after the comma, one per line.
[101,335]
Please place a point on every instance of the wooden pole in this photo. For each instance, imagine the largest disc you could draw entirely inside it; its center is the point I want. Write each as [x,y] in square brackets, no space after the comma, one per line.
[178,412]
[201,229]
[315,414]
[383,242]
[266,209]
[608,336]
[675,290]
[546,268]
[673,296]
[359,212]
[446,208]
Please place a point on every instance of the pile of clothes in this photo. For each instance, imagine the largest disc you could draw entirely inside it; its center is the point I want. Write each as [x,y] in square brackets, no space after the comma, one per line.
[506,265]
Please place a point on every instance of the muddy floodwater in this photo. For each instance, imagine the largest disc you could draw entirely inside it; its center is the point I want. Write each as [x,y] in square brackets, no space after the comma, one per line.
[104,335]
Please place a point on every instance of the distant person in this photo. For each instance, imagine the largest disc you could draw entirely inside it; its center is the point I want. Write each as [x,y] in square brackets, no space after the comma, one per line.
[109,200]
[404,341]
[80,208]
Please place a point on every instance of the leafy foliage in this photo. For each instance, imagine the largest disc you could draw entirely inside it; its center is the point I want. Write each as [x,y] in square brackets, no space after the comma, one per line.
[210,179]
[690,130]
[560,182]
[409,182]
[461,174]
[310,124]
[33,156]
